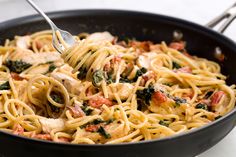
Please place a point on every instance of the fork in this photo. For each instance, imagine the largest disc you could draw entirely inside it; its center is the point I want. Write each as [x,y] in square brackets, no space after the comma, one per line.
[66,36]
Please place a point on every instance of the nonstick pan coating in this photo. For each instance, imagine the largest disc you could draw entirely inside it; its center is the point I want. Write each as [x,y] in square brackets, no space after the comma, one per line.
[201,41]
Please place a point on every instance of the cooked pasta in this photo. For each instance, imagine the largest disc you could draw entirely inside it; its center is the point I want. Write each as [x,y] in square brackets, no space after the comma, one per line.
[105,91]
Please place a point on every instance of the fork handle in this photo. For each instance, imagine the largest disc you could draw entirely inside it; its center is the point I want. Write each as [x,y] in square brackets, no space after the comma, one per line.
[53,26]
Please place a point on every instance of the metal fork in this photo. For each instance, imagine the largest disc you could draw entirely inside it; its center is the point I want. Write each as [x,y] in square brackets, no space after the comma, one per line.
[66,36]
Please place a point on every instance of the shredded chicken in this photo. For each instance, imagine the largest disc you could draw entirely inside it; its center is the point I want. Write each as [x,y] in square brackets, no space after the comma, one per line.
[40,69]
[23,42]
[101,36]
[48,124]
[144,60]
[71,84]
[122,89]
[34,58]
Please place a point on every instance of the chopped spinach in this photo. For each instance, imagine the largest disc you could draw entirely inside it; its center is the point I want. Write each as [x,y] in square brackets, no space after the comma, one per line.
[109,121]
[164,123]
[126,40]
[51,68]
[145,95]
[97,121]
[103,132]
[143,70]
[57,97]
[5,86]
[125,80]
[179,101]
[139,72]
[49,62]
[202,106]
[208,94]
[54,108]
[94,122]
[141,105]
[82,73]
[17,66]
[86,109]
[109,79]
[176,65]
[97,77]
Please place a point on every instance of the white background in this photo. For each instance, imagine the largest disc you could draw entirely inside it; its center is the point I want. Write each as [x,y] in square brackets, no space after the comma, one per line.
[199,11]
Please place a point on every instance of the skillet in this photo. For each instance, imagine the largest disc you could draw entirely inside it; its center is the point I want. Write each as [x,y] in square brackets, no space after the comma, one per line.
[201,41]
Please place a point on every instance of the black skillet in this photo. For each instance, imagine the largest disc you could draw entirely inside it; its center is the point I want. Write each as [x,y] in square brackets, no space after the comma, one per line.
[201,41]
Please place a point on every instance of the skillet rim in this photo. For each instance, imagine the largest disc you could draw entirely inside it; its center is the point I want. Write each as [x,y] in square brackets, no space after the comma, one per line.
[112,12]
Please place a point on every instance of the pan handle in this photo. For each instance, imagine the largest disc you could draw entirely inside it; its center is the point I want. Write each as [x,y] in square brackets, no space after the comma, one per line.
[225,18]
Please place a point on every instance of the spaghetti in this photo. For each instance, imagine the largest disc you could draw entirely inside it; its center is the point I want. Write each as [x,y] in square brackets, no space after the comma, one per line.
[104,91]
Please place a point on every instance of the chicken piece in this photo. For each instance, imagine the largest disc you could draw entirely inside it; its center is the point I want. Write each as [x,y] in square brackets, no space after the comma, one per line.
[123,90]
[48,124]
[160,87]
[23,42]
[40,69]
[116,130]
[100,37]
[144,60]
[43,57]
[34,58]
[71,84]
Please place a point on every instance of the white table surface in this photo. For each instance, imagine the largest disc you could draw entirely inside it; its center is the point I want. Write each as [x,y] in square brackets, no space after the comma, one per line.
[199,11]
